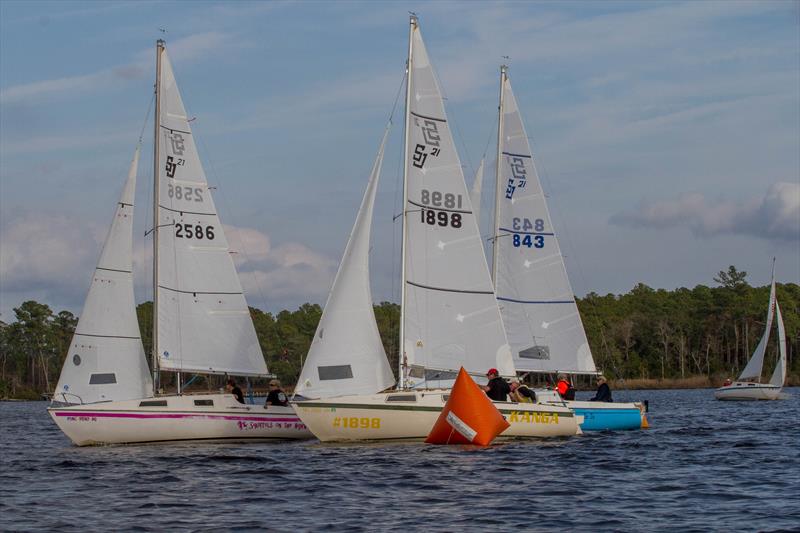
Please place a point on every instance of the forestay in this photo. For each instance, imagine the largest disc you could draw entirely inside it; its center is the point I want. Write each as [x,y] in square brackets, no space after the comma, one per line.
[752,371]
[347,355]
[536,300]
[204,323]
[106,359]
[451,318]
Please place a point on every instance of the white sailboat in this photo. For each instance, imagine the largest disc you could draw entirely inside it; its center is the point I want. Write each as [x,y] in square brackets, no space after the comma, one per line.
[748,386]
[201,320]
[449,315]
[537,304]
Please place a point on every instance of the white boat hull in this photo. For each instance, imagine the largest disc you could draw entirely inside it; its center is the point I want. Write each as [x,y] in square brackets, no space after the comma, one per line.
[386,416]
[176,418]
[743,390]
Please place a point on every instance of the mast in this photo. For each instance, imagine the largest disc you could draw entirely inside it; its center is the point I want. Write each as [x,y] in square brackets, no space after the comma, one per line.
[157,126]
[402,364]
[498,185]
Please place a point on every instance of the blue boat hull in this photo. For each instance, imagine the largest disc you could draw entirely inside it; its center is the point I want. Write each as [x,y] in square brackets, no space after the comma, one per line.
[608,416]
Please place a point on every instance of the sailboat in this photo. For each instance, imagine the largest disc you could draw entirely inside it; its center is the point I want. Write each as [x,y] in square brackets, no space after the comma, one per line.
[201,324]
[449,315]
[537,304]
[748,386]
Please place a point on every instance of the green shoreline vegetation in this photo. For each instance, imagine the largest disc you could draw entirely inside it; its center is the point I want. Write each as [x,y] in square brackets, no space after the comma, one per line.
[644,339]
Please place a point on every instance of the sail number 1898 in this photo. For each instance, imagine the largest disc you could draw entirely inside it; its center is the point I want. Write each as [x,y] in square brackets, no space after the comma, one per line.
[435,217]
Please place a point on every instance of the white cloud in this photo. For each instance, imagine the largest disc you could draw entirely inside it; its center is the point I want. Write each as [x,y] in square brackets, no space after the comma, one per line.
[51,258]
[776,215]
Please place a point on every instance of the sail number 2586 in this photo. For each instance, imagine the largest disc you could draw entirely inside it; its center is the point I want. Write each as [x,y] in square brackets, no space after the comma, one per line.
[440,217]
[192,231]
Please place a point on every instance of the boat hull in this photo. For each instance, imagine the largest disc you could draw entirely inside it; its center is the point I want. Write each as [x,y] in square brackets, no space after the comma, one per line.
[604,416]
[386,416]
[176,418]
[747,391]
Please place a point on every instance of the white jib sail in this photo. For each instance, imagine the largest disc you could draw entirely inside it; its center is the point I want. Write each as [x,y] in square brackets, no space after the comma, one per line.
[451,315]
[752,371]
[475,194]
[204,323]
[536,300]
[347,355]
[106,359]
[779,375]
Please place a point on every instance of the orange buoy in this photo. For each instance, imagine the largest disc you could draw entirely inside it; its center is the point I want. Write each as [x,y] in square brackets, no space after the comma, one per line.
[468,417]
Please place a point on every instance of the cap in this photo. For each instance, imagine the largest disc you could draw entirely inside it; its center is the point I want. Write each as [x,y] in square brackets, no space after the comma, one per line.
[493,371]
[275,382]
[601,377]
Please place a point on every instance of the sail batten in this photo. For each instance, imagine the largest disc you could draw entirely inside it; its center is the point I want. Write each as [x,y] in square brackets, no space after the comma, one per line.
[538,305]
[450,316]
[204,323]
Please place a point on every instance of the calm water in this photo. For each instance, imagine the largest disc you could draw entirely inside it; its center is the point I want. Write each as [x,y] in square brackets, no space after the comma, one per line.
[704,465]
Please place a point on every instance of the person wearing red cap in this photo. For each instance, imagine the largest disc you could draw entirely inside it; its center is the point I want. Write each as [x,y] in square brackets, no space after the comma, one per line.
[497,389]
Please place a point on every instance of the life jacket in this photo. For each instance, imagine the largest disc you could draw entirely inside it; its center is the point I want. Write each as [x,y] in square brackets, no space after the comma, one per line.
[562,387]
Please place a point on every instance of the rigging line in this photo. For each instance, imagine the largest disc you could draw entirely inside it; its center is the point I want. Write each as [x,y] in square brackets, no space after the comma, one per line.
[147,117]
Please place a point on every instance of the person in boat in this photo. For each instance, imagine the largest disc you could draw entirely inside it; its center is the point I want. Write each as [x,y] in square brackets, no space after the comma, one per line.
[276,395]
[234,389]
[565,388]
[603,393]
[497,389]
[520,393]
[727,383]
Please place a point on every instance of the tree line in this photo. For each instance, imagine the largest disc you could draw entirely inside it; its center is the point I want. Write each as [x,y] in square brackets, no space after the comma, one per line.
[645,333]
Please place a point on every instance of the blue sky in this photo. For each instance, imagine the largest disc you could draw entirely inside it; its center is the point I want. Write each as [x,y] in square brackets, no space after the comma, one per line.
[667,135]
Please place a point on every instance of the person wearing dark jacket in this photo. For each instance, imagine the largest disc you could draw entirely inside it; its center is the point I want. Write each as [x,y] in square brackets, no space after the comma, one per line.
[497,389]
[234,389]
[276,396]
[603,393]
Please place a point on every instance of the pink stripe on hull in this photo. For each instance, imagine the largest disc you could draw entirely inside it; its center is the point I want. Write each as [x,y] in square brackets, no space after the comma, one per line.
[102,414]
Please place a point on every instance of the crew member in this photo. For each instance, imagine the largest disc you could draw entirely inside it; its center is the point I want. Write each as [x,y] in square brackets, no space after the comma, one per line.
[276,396]
[234,389]
[603,393]
[565,388]
[497,389]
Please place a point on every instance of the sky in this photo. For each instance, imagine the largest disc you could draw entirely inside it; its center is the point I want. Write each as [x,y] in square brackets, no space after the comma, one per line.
[666,134]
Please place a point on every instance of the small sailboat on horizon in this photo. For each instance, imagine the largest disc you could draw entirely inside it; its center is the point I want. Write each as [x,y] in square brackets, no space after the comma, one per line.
[748,385]
[201,321]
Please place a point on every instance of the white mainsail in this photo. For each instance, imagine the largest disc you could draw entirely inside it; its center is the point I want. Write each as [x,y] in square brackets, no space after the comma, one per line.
[204,323]
[536,300]
[347,355]
[779,374]
[476,192]
[752,371]
[106,359]
[450,315]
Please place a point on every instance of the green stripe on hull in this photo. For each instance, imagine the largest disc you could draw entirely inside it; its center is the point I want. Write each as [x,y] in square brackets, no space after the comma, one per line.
[315,405]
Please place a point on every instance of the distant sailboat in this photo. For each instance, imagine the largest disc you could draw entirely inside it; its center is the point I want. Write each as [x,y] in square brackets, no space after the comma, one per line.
[748,386]
[449,316]
[201,320]
[537,304]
